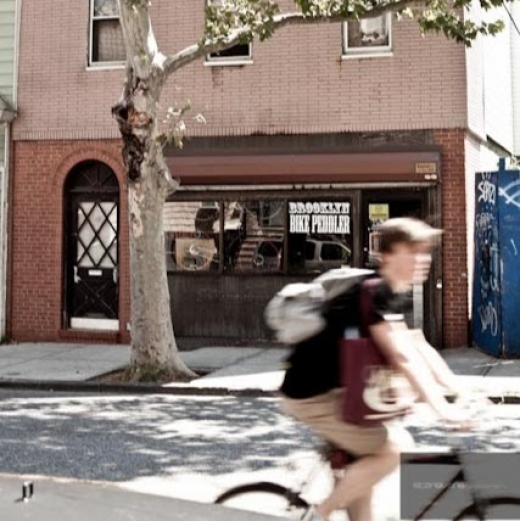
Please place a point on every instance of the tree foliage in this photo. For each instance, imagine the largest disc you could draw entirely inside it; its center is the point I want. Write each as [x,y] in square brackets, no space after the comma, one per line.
[229,22]
[245,19]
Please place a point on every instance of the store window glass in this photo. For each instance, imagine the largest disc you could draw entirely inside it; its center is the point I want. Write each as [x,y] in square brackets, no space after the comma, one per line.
[253,236]
[320,235]
[191,232]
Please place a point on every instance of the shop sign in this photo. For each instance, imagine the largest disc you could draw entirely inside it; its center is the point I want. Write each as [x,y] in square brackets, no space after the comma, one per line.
[378,212]
[319,217]
[426,168]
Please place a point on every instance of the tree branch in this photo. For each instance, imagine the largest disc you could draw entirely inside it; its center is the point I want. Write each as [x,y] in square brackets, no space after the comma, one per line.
[196,51]
[142,51]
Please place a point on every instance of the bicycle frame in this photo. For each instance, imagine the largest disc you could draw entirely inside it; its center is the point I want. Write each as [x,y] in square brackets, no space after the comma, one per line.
[452,458]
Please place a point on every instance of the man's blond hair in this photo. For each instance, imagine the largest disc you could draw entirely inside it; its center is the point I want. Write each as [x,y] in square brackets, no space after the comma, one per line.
[405,230]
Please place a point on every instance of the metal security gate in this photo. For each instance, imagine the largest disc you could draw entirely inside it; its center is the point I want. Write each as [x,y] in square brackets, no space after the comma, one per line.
[91,295]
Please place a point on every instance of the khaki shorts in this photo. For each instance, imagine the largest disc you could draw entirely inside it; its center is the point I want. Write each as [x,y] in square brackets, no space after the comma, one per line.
[322,414]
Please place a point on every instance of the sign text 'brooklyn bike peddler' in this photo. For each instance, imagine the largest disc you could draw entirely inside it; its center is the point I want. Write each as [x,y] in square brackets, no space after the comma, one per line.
[319,217]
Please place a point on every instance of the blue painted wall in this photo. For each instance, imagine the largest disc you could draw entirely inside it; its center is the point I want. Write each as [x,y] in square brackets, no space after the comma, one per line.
[496,296]
[486,280]
[509,239]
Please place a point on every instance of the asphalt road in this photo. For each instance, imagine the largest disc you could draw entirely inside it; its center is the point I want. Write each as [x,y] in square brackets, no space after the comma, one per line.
[189,447]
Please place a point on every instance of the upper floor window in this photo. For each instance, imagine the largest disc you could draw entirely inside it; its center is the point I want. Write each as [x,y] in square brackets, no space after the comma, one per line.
[369,36]
[236,55]
[107,46]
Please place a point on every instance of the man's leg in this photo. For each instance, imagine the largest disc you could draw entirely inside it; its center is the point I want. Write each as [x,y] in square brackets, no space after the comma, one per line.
[361,509]
[359,478]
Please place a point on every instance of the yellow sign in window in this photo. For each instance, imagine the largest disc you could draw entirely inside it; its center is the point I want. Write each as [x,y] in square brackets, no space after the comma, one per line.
[378,212]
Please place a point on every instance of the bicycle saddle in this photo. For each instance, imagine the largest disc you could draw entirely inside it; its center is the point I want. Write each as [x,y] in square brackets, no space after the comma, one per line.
[337,457]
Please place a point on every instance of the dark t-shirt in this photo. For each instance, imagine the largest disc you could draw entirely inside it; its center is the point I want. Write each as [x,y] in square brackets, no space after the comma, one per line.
[313,366]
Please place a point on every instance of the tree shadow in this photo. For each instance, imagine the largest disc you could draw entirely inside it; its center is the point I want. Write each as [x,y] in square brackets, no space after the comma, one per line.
[116,438]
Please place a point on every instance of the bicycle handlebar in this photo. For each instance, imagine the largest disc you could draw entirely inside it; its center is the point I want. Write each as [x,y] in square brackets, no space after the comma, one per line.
[480,410]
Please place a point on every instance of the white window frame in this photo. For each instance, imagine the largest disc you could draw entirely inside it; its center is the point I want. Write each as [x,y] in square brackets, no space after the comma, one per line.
[91,63]
[368,52]
[213,61]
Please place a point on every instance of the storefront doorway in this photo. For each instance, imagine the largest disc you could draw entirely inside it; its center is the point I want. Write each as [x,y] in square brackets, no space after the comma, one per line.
[377,207]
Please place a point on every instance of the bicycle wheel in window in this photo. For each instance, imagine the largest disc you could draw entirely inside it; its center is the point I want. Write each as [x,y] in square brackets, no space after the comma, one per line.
[266,498]
[497,508]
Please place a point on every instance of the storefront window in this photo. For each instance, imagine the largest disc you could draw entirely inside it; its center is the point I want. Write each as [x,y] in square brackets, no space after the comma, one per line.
[320,235]
[253,236]
[192,231]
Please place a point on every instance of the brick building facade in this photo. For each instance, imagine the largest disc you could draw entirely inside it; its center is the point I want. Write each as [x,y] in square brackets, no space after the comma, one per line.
[301,94]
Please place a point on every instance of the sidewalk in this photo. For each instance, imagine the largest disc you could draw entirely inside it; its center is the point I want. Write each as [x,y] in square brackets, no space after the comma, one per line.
[226,370]
[94,501]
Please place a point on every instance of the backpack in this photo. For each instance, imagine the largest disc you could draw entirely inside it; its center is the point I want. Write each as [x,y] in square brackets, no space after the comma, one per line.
[297,312]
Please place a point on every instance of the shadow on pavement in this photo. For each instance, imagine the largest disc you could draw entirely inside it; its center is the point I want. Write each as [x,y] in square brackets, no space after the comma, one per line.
[121,438]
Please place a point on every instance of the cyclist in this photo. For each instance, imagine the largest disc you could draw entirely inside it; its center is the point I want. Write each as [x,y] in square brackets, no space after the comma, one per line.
[311,389]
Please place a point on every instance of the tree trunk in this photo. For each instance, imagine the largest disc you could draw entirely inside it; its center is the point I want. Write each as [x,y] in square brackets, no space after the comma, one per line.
[154,350]
[153,341]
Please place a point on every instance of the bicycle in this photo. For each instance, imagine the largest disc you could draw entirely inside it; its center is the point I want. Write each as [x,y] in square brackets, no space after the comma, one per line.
[294,505]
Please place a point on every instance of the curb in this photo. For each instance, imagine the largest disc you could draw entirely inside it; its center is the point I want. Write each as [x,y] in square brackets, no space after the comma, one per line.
[140,388]
[128,388]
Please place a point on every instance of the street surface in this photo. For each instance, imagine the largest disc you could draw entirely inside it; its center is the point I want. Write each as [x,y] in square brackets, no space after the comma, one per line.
[191,447]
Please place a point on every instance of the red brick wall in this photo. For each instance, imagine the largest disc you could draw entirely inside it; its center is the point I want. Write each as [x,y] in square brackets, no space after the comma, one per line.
[297,83]
[454,247]
[36,238]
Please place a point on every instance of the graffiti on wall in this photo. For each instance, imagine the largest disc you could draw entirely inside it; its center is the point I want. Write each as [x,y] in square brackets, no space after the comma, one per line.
[496,295]
[488,257]
[511,193]
[487,190]
[488,318]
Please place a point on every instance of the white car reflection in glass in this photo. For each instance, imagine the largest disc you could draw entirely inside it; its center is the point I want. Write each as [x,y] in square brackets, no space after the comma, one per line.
[319,255]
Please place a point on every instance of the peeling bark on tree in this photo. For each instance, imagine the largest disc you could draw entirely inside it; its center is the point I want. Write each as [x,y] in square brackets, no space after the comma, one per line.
[153,342]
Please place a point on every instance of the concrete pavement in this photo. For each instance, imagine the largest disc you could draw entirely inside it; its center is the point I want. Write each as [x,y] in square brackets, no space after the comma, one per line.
[223,369]
[82,501]
[232,370]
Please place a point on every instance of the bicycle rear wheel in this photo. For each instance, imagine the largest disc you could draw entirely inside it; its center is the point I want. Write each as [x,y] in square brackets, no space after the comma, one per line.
[266,498]
[498,508]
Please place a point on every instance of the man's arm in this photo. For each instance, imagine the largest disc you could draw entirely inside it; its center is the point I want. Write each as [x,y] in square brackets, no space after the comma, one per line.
[396,342]
[437,365]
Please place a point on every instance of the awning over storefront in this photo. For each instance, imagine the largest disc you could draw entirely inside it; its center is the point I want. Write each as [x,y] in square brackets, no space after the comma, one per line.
[307,168]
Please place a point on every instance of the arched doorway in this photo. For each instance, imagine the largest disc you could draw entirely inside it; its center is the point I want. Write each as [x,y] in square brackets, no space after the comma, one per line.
[91,248]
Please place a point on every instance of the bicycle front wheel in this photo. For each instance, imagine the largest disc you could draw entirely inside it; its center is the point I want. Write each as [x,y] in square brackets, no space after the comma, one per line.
[497,508]
[266,498]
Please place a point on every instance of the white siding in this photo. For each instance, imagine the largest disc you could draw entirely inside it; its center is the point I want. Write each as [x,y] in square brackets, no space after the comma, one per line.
[2,145]
[515,57]
[472,153]
[475,77]
[7,89]
[498,86]
[7,42]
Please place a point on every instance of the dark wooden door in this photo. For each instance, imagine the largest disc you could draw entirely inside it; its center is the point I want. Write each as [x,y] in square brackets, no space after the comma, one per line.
[92,245]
